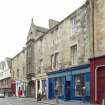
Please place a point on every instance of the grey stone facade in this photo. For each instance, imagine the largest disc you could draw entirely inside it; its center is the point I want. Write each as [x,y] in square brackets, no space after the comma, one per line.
[60,39]
[5,76]
[64,44]
[99,30]
[19,66]
[34,33]
[18,73]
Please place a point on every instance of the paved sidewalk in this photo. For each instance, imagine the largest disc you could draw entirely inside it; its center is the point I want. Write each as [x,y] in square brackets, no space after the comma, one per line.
[53,102]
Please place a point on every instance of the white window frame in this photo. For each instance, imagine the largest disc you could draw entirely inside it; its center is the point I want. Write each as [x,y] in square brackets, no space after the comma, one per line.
[54,60]
[73,25]
[74,58]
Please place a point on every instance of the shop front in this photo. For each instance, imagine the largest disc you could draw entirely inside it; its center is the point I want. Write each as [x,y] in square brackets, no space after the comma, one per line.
[81,85]
[13,87]
[20,88]
[72,83]
[52,85]
[31,89]
[41,85]
[97,67]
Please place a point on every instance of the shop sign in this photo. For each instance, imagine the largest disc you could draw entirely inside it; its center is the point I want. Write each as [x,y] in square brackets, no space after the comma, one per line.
[33,78]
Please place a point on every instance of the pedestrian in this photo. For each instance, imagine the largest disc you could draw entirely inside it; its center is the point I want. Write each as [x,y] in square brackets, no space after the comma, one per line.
[84,93]
[103,98]
[19,92]
[25,93]
[56,93]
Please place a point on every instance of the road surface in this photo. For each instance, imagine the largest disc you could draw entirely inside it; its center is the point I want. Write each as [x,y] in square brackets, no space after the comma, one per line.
[17,101]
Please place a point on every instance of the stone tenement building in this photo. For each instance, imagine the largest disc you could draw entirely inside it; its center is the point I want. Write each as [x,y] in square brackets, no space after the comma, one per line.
[56,59]
[34,33]
[64,45]
[99,24]
[97,62]
[5,76]
[18,81]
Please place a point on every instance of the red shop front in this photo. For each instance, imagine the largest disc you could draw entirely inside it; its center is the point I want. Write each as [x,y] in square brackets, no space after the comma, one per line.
[97,71]
[13,87]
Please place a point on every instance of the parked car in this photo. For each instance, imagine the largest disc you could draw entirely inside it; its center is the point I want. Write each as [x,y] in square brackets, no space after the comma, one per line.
[2,95]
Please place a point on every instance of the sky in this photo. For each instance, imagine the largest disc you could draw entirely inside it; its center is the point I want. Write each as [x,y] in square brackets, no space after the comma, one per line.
[16,15]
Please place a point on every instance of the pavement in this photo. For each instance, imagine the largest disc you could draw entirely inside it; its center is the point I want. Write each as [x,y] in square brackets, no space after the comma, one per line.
[60,102]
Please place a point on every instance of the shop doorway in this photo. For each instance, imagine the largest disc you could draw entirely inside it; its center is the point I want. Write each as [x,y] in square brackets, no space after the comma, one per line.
[31,89]
[44,89]
[67,88]
[50,88]
[13,88]
[100,83]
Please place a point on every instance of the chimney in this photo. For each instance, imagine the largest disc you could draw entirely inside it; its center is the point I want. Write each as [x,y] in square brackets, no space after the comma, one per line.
[52,23]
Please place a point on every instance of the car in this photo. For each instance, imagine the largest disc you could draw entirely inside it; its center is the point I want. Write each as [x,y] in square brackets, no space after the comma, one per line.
[2,95]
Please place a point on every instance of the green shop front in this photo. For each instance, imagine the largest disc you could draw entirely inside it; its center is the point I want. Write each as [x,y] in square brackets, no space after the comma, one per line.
[70,83]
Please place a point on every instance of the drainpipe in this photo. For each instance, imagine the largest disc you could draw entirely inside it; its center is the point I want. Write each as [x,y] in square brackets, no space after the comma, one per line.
[92,3]
[91,10]
[96,69]
[92,36]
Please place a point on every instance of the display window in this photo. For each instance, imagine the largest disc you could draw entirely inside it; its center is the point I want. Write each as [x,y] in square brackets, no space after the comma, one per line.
[79,85]
[59,86]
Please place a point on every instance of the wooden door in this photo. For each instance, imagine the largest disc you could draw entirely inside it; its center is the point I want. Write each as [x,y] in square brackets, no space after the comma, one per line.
[68,90]
[100,83]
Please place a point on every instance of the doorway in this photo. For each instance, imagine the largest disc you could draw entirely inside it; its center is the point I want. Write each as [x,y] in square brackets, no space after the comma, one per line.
[31,89]
[100,83]
[67,90]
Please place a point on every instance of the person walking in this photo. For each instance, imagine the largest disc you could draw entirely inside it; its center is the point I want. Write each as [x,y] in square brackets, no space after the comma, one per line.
[19,92]
[56,95]
[103,98]
[84,93]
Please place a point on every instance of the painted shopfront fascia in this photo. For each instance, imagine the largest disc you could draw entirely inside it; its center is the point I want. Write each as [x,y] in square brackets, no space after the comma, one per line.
[68,77]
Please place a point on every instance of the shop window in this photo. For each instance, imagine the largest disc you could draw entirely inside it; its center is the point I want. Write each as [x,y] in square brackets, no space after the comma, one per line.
[44,87]
[79,85]
[59,86]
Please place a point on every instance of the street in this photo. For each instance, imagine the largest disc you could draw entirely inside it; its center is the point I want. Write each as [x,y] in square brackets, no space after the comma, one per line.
[17,101]
[31,101]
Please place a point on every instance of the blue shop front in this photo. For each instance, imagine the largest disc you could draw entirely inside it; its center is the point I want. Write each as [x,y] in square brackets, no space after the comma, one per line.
[70,83]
